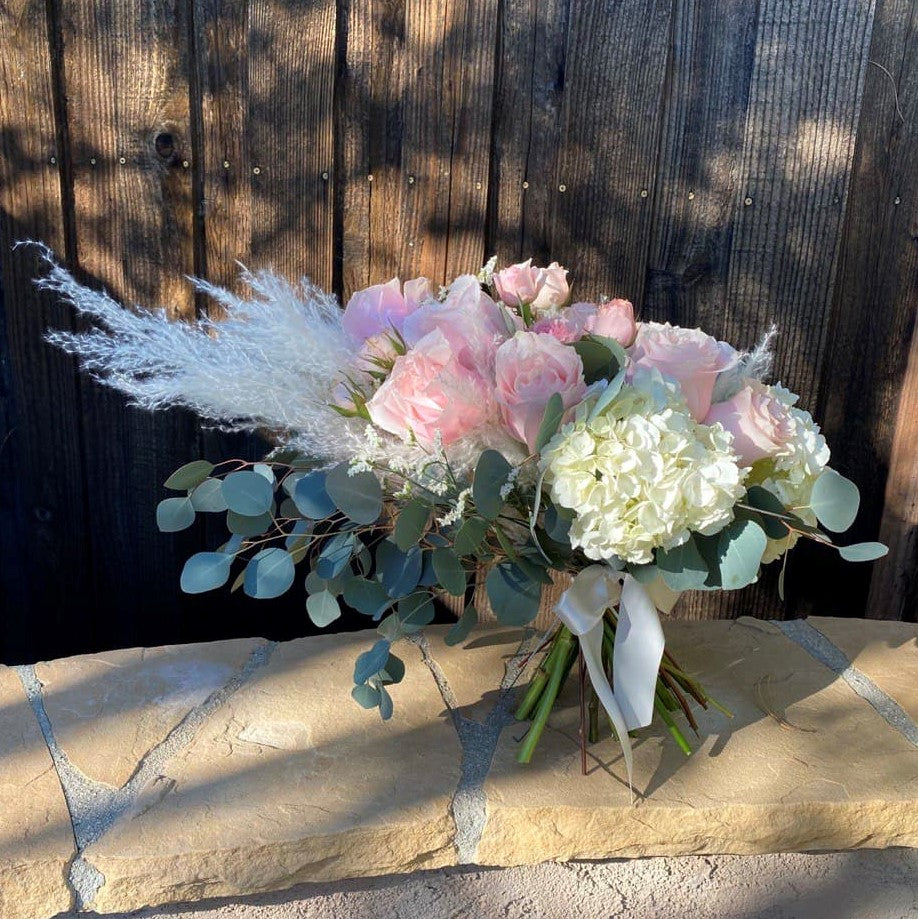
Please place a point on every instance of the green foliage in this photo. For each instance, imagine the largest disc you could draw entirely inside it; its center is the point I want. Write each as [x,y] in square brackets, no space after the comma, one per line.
[322,608]
[174,514]
[359,497]
[335,555]
[369,663]
[311,498]
[609,393]
[367,597]
[491,475]
[411,524]
[684,567]
[242,525]
[558,524]
[740,546]
[513,596]
[461,629]
[602,357]
[269,574]
[863,551]
[208,496]
[398,571]
[189,476]
[247,493]
[470,536]
[835,501]
[415,612]
[449,571]
[205,571]
[551,421]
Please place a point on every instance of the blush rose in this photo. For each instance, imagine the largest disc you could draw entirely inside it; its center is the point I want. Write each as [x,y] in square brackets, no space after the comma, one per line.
[543,289]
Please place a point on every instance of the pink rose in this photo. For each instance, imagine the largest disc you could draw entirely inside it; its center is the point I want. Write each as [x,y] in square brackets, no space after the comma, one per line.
[474,324]
[430,391]
[760,423]
[544,289]
[689,356]
[383,307]
[614,319]
[530,368]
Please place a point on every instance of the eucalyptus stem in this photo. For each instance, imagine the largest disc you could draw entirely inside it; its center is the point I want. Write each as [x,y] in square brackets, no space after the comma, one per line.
[558,671]
[593,708]
[663,712]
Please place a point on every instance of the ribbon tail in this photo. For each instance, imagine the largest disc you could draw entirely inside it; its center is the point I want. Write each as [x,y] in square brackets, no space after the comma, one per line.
[591,646]
[638,650]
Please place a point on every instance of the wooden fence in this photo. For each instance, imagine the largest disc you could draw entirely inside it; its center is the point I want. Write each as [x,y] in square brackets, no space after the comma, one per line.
[728,163]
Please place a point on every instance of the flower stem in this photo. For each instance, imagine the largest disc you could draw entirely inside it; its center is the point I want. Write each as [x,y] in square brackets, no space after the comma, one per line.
[538,681]
[557,672]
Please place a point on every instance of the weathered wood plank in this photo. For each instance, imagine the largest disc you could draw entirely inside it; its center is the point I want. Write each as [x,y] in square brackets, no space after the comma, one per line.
[126,71]
[869,394]
[787,213]
[713,53]
[614,83]
[532,45]
[45,572]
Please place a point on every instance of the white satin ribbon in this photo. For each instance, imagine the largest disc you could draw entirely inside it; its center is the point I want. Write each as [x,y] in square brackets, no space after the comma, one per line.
[638,645]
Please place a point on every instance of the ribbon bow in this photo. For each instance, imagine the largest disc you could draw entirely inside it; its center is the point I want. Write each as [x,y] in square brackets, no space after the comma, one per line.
[638,645]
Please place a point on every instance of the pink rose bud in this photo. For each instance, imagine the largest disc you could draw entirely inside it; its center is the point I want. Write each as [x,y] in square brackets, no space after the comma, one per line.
[430,391]
[613,319]
[688,356]
[543,289]
[383,307]
[761,424]
[530,368]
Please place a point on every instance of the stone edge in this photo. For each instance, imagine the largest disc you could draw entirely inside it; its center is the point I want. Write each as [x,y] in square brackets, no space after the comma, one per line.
[94,807]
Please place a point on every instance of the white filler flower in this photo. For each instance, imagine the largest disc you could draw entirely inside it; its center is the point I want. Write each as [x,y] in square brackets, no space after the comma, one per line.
[643,474]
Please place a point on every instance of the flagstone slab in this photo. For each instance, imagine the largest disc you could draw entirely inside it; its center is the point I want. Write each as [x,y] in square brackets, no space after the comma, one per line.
[885,652]
[36,837]
[110,709]
[291,781]
[804,764]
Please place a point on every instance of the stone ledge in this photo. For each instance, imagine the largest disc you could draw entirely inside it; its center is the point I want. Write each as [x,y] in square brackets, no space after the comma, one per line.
[257,772]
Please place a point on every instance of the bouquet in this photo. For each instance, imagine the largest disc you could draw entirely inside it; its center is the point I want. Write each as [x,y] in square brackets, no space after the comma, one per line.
[491,428]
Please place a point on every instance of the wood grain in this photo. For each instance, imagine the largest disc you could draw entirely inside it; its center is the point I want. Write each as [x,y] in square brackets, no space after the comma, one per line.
[869,398]
[45,566]
[614,84]
[126,81]
[526,135]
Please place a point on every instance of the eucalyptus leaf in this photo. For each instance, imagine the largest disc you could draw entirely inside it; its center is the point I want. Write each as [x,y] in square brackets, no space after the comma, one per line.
[835,500]
[242,525]
[683,567]
[205,571]
[371,662]
[644,574]
[609,393]
[740,546]
[415,612]
[394,671]
[311,498]
[470,536]
[450,573]
[491,475]
[551,421]
[366,696]
[265,471]
[863,551]
[358,496]
[208,496]
[174,514]
[335,555]
[288,509]
[557,524]
[513,596]
[385,704]
[322,608]
[269,574]
[367,597]
[189,476]
[461,629]
[428,575]
[247,493]
[411,524]
[398,571]
[599,360]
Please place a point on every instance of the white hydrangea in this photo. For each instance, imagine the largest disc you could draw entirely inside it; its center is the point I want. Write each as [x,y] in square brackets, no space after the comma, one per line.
[791,474]
[642,475]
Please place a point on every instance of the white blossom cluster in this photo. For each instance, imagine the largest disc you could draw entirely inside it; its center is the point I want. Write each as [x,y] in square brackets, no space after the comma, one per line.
[642,475]
[791,474]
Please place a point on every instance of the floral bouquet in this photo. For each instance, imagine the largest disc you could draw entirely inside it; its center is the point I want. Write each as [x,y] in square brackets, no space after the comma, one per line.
[488,429]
